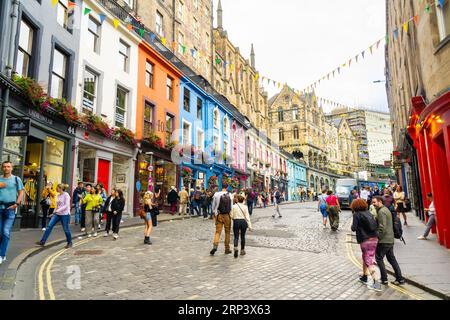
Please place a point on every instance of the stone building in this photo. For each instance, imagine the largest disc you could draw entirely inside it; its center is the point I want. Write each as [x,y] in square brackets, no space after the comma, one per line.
[186,25]
[417,85]
[237,78]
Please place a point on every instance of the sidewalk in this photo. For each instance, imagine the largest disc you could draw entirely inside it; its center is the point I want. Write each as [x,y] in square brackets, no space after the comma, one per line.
[425,263]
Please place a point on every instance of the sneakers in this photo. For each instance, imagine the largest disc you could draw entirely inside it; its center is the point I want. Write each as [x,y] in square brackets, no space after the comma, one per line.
[363,279]
[115,236]
[147,241]
[376,286]
[228,251]
[68,246]
[89,235]
[236,253]
[273,216]
[106,234]
[95,234]
[43,229]
[385,282]
[243,252]
[213,251]
[40,244]
[398,282]
[422,238]
[83,229]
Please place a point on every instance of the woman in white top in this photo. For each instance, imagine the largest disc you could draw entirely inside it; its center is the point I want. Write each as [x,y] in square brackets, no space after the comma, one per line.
[399,198]
[241,221]
[431,213]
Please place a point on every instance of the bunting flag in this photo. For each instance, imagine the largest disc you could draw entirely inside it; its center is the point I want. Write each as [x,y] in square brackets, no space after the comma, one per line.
[427,8]
[441,3]
[71,5]
[395,34]
[405,27]
[102,18]
[130,27]
[183,49]
[116,23]
[164,41]
[142,33]
[416,19]
[174,45]
[54,2]
[87,11]
[193,53]
[152,36]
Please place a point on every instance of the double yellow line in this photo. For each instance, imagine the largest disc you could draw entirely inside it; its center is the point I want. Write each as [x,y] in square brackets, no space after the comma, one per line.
[355,261]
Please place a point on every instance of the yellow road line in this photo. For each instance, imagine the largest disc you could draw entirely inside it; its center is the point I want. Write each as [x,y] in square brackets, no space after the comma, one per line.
[356,262]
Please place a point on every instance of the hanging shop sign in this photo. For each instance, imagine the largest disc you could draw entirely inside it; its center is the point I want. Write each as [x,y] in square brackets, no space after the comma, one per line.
[18,127]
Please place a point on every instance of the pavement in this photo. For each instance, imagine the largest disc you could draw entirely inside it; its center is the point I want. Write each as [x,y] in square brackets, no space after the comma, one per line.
[288,258]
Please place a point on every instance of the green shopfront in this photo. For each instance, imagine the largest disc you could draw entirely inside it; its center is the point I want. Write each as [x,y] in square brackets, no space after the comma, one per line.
[45,155]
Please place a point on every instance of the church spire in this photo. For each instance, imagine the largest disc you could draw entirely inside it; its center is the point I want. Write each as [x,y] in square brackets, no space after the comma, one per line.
[252,57]
[219,15]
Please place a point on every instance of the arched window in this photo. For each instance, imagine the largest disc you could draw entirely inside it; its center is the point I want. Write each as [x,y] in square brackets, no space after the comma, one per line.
[281,135]
[225,125]
[280,114]
[296,133]
[216,118]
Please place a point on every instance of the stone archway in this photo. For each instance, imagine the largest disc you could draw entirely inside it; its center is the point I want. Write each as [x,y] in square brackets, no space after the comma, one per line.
[322,184]
[327,184]
[317,184]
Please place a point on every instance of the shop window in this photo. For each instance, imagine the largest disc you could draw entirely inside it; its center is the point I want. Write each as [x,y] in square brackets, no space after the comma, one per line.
[199,109]
[148,119]
[149,69]
[93,35]
[169,128]
[169,89]
[187,100]
[88,175]
[124,54]
[59,74]
[25,50]
[13,151]
[90,90]
[121,105]
[443,17]
[54,160]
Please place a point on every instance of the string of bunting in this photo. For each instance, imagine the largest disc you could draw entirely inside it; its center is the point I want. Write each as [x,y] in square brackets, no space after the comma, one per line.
[425,7]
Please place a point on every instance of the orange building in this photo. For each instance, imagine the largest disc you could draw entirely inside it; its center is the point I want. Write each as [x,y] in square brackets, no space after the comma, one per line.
[157,119]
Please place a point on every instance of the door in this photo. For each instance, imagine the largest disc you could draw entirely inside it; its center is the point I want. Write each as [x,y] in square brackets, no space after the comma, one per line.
[103,173]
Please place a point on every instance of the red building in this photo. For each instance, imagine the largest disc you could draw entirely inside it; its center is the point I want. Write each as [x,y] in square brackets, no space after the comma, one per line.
[429,127]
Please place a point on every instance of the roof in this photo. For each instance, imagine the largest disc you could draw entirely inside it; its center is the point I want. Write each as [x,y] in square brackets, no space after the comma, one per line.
[337,122]
[272,100]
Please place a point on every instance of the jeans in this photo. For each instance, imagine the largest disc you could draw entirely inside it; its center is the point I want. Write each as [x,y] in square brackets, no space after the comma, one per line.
[250,207]
[109,218]
[46,211]
[223,221]
[83,216]
[194,206]
[430,225]
[210,210]
[65,220]
[387,250]
[239,226]
[7,218]
[77,213]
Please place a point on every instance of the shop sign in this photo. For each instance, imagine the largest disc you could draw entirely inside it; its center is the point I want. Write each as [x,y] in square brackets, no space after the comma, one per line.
[18,127]
[39,116]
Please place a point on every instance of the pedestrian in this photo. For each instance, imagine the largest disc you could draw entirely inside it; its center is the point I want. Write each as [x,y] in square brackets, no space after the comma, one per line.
[365,226]
[76,198]
[376,191]
[260,203]
[385,247]
[147,216]
[197,197]
[93,203]
[222,204]
[388,200]
[184,201]
[102,192]
[204,204]
[241,222]
[172,199]
[209,200]
[11,196]
[117,206]
[365,193]
[277,200]
[264,199]
[48,203]
[61,213]
[86,192]
[322,207]
[333,210]
[399,197]
[109,212]
[431,214]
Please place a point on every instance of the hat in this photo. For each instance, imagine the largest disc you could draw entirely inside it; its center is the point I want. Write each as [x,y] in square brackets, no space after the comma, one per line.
[172,187]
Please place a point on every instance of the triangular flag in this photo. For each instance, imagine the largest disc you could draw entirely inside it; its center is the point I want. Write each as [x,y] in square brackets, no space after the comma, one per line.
[256,76]
[128,20]
[71,5]
[54,2]
[87,11]
[378,43]
[350,62]
[183,48]
[356,58]
[130,27]
[441,3]
[174,45]
[142,32]
[416,19]
[395,33]
[152,37]
[102,18]
[405,27]
[192,53]
[164,41]
[116,23]
[427,8]
[371,49]
[339,70]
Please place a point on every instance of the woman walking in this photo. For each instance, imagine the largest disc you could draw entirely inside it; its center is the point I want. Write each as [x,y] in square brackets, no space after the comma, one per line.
[61,213]
[241,222]
[148,216]
[109,211]
[93,202]
[322,207]
[399,198]
[333,210]
[48,203]
[365,226]
[117,206]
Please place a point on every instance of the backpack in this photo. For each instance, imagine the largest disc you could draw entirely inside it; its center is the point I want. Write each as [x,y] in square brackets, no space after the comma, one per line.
[369,222]
[224,204]
[397,226]
[197,195]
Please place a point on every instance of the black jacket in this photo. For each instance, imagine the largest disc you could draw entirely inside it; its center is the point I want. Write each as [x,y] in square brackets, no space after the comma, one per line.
[118,204]
[172,197]
[361,233]
[108,200]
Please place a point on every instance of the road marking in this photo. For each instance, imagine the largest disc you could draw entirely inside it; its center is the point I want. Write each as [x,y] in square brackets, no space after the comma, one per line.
[352,258]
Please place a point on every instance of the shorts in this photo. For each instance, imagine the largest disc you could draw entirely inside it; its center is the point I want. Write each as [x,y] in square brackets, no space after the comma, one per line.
[153,218]
[368,249]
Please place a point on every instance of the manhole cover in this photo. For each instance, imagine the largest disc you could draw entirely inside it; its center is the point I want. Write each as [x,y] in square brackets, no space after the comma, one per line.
[88,252]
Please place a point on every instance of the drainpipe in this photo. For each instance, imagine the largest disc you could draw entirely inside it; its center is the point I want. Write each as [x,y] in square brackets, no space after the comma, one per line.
[12,47]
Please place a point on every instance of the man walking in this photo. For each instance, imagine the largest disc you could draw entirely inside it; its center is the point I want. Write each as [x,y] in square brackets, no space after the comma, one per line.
[250,200]
[11,194]
[385,247]
[276,201]
[222,204]
[184,200]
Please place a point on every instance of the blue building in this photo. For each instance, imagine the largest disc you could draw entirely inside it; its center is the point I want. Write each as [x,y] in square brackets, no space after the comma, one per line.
[296,178]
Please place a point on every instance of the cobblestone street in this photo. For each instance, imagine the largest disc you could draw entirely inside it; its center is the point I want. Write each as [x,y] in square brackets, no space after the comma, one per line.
[288,258]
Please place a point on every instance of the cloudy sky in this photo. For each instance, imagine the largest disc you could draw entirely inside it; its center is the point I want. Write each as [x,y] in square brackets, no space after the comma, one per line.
[300,41]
